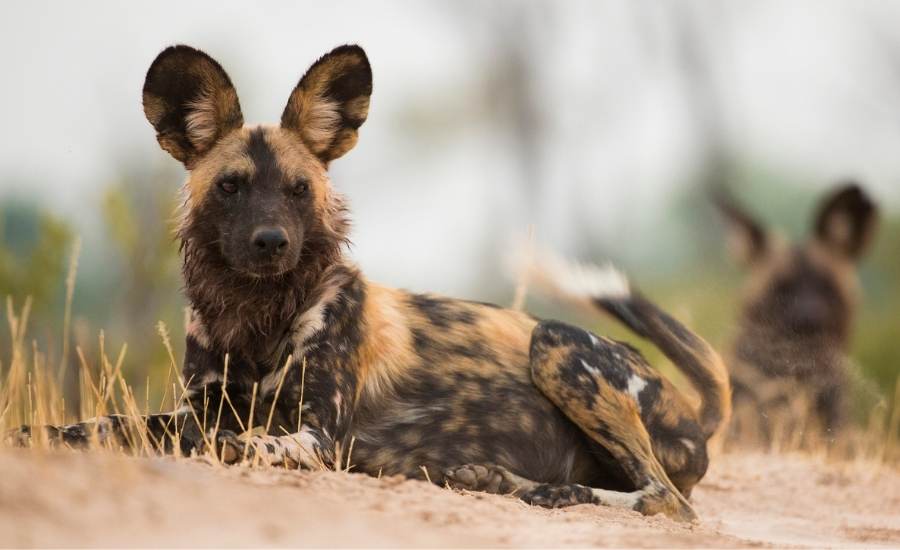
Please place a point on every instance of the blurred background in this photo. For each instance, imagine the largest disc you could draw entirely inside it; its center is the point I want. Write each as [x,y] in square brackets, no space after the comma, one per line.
[599,124]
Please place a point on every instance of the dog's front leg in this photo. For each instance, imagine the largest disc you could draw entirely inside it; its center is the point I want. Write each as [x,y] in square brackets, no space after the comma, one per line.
[321,397]
[163,432]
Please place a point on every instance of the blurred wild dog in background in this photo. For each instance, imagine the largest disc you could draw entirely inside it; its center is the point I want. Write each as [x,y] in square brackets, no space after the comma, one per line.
[789,364]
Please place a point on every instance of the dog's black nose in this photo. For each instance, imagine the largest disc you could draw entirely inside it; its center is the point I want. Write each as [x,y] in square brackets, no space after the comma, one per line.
[270,241]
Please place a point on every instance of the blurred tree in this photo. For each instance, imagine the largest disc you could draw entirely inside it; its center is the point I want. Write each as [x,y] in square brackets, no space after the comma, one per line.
[138,212]
[33,254]
[875,345]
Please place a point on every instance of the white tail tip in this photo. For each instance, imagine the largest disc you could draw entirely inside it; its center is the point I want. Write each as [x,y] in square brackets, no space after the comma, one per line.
[574,280]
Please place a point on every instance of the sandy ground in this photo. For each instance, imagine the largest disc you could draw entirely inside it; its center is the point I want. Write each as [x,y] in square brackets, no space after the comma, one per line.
[75,499]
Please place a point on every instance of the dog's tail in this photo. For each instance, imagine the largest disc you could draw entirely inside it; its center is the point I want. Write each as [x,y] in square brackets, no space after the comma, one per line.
[607,289]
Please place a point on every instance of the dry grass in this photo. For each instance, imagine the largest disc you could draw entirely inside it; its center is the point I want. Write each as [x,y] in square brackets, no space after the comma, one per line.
[31,394]
[876,441]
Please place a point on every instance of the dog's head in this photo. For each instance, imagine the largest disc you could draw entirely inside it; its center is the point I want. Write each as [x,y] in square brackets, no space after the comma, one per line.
[258,198]
[800,296]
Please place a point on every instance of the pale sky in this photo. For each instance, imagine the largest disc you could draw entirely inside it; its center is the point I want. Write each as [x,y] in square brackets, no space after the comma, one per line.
[806,88]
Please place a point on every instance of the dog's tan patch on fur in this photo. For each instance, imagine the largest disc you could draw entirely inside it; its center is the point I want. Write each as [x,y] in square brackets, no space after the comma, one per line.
[228,156]
[296,161]
[387,351]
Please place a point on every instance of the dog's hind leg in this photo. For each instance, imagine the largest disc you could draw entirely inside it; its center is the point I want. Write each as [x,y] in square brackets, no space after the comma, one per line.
[592,381]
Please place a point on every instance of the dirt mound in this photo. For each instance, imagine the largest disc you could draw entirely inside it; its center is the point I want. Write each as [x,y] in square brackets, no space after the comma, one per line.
[97,499]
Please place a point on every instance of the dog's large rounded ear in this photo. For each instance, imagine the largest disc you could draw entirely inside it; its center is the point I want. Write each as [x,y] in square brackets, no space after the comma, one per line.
[748,240]
[190,101]
[331,102]
[847,221]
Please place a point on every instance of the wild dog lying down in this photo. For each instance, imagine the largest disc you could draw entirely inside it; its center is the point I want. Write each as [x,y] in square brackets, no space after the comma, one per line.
[789,361]
[478,396]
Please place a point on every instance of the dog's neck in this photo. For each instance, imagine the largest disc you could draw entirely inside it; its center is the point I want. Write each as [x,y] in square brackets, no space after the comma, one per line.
[253,316]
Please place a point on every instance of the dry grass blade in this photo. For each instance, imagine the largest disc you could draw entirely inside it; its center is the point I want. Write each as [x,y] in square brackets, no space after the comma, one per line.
[348,465]
[284,371]
[249,431]
[67,314]
[237,416]
[215,432]
[521,293]
[302,388]
[16,377]
[893,433]
[92,400]
[115,372]
[184,398]
[425,471]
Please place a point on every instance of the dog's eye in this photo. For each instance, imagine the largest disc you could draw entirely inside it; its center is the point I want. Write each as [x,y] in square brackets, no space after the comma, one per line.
[301,186]
[228,186]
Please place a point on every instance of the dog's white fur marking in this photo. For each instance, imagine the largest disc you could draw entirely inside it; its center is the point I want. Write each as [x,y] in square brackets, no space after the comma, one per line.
[269,382]
[313,319]
[337,405]
[616,499]
[307,325]
[636,385]
[591,368]
[209,377]
[626,500]
[193,326]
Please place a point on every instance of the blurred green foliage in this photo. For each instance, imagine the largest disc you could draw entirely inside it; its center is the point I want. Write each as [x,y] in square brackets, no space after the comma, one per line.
[127,281]
[139,224]
[878,330]
[33,254]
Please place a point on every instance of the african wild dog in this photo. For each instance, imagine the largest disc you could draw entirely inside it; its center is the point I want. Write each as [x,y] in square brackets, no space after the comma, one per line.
[466,393]
[789,357]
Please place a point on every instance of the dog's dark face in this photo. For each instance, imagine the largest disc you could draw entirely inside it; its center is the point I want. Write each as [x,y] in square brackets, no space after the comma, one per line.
[258,199]
[804,294]
[799,299]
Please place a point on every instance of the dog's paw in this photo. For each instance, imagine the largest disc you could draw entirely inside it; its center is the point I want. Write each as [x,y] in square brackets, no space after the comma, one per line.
[230,448]
[667,503]
[559,496]
[477,477]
